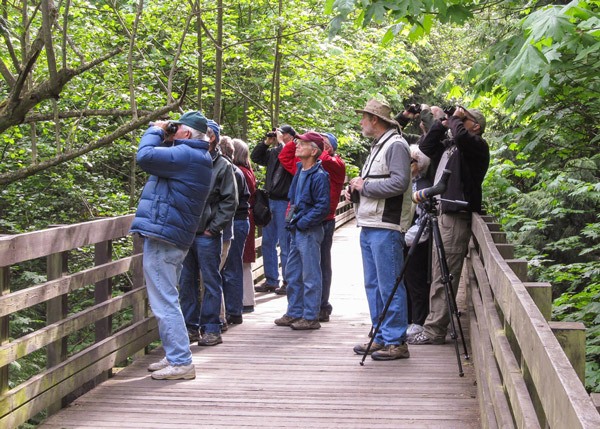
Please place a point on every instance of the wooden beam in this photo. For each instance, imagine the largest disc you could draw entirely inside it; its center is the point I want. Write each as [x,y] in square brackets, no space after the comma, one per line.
[541,294]
[571,337]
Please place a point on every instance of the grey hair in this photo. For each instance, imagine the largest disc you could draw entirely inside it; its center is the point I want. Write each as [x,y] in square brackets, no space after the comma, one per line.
[241,154]
[422,159]
[226,146]
[194,133]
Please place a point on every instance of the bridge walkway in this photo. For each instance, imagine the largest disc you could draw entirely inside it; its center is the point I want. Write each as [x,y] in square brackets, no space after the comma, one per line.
[274,377]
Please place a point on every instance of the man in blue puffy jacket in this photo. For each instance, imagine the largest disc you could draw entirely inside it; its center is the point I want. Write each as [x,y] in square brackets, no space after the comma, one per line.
[167,217]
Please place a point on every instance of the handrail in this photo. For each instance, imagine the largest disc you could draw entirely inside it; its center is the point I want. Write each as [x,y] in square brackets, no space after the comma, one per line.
[68,376]
[520,363]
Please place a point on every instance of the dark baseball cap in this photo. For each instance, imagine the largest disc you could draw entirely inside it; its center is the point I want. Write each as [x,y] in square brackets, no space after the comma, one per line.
[287,129]
[195,120]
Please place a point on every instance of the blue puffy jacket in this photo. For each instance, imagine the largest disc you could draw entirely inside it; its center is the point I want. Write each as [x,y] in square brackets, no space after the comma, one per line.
[174,196]
[312,200]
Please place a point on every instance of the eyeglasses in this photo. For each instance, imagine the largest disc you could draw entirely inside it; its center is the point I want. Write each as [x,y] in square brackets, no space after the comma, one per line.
[305,142]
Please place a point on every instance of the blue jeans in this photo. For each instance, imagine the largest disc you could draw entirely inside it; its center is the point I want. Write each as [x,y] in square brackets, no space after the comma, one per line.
[272,234]
[328,228]
[304,273]
[204,257]
[382,261]
[233,273]
[162,267]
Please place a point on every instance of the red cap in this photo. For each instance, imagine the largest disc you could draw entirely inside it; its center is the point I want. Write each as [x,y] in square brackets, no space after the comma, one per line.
[314,137]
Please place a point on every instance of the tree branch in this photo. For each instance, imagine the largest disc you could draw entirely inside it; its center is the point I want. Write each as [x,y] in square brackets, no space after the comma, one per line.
[13,112]
[13,176]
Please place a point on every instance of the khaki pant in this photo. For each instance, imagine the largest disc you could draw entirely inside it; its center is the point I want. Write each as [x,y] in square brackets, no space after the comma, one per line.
[455,230]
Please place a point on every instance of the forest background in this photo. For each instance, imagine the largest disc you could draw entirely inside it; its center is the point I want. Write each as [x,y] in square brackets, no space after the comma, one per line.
[81,80]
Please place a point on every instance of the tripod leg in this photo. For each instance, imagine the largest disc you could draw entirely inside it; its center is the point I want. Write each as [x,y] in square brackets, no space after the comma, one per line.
[451,303]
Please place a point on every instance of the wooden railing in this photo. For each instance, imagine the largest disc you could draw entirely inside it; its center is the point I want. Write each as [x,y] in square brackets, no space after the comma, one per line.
[58,294]
[529,370]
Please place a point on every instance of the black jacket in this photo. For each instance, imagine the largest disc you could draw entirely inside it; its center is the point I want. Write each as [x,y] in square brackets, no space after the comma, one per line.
[278,180]
[468,159]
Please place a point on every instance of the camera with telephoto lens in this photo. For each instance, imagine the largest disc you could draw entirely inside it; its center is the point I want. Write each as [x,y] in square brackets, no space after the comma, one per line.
[449,111]
[272,133]
[413,108]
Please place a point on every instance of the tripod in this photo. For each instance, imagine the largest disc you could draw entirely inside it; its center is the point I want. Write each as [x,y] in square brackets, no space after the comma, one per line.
[428,219]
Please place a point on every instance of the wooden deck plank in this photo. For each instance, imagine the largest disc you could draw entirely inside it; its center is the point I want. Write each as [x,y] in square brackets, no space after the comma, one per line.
[273,377]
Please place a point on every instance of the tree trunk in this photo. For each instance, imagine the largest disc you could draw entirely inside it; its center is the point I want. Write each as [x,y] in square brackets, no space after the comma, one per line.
[218,63]
[275,87]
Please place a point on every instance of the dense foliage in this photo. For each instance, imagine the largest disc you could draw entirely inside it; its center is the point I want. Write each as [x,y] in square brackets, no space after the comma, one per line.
[533,68]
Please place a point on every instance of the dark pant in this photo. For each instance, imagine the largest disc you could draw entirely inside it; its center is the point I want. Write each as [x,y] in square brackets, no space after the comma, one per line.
[418,283]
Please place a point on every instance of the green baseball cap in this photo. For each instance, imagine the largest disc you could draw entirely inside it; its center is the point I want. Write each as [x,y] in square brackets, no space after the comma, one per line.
[195,120]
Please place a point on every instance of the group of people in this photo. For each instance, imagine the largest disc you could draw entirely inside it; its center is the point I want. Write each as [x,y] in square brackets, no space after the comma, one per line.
[195,215]
[382,194]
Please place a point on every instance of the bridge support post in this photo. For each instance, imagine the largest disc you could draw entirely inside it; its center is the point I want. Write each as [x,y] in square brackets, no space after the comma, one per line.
[56,310]
[4,332]
[571,337]
[541,293]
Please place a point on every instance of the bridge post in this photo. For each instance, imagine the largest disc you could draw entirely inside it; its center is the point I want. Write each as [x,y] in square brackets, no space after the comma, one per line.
[541,293]
[56,310]
[4,331]
[137,281]
[571,337]
[103,292]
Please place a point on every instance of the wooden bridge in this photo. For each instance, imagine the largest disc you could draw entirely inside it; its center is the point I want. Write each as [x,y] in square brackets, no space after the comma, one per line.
[97,329]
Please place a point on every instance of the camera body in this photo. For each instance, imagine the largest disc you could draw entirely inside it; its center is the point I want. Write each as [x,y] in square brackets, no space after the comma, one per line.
[449,111]
[413,108]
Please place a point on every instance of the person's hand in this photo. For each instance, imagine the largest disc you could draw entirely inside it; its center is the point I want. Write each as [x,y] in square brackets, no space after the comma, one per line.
[357,184]
[207,233]
[161,124]
[460,113]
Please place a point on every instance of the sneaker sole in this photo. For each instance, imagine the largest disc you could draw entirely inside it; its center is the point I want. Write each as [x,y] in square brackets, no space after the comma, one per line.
[210,344]
[377,357]
[189,376]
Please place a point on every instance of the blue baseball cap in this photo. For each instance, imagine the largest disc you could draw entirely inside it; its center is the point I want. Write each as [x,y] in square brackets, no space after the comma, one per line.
[332,140]
[216,129]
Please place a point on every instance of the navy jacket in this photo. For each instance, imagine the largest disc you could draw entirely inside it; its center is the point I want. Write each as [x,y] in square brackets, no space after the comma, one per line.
[312,201]
[174,196]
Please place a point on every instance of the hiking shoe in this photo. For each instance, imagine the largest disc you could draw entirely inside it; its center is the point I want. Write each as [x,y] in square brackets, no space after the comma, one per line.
[193,335]
[156,366]
[224,326]
[248,309]
[286,320]
[360,349]
[414,329]
[180,372]
[210,339]
[421,339]
[303,324]
[391,352]
[281,290]
[233,319]
[265,288]
[323,315]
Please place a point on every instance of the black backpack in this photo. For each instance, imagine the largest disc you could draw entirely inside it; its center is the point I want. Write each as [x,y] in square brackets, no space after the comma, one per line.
[261,210]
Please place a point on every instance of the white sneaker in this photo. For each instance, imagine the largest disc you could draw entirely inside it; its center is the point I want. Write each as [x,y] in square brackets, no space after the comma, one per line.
[156,366]
[414,329]
[180,372]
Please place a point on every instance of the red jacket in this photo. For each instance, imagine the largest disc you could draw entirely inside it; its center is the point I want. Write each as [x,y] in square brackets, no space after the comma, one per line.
[334,165]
